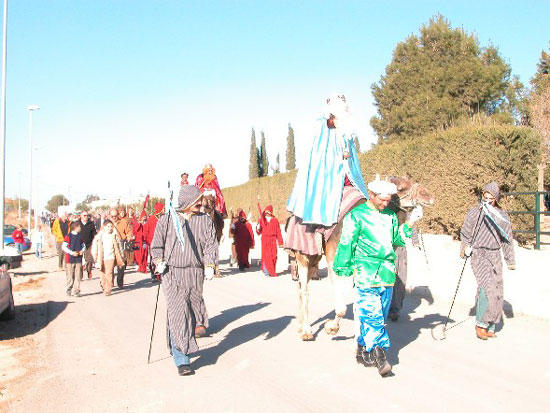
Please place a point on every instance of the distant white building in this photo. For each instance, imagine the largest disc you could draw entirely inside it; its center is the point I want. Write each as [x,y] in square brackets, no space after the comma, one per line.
[114,202]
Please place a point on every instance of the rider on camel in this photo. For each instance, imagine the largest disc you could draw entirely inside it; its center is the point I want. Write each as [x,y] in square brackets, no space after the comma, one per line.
[333,163]
[208,183]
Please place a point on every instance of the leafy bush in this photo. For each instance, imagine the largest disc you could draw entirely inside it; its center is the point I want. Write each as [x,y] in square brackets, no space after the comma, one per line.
[454,165]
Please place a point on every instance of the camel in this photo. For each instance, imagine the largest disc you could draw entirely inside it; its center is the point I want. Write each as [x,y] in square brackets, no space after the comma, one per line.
[409,194]
[209,207]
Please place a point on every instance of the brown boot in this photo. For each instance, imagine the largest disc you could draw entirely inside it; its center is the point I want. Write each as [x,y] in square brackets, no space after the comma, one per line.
[490,334]
[481,333]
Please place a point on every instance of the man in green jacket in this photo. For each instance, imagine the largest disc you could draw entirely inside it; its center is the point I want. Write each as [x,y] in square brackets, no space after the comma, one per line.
[366,252]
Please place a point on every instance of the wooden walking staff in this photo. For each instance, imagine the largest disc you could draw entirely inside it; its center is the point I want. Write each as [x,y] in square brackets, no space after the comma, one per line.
[158,288]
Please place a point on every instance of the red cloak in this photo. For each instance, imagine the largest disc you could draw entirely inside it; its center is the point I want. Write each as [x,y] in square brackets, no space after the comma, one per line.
[243,237]
[271,238]
[214,186]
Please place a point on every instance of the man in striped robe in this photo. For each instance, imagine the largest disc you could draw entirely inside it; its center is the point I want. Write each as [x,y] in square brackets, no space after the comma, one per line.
[486,230]
[185,244]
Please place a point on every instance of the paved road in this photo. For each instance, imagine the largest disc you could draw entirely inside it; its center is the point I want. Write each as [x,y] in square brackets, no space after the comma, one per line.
[91,356]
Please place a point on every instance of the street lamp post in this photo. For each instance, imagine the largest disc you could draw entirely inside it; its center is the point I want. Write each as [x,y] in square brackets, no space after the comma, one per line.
[31,109]
[3,120]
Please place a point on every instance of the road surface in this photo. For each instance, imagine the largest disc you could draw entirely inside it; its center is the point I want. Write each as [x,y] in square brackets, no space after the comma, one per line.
[89,354]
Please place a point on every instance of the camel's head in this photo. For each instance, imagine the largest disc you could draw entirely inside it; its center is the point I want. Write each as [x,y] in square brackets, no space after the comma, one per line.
[409,193]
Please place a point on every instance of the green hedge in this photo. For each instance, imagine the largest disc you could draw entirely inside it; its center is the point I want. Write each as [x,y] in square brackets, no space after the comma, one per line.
[453,164]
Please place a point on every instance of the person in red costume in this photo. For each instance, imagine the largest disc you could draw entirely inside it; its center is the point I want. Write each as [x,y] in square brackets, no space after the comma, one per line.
[149,231]
[141,254]
[270,230]
[244,240]
[208,183]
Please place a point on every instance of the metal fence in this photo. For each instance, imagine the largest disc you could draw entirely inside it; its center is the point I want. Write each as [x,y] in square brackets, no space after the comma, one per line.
[537,213]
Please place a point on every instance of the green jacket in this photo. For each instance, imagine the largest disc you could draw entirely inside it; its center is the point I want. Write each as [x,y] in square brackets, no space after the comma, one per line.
[366,246]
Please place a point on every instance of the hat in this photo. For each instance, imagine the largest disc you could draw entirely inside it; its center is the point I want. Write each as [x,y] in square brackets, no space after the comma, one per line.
[269,209]
[383,188]
[189,194]
[159,206]
[143,214]
[242,214]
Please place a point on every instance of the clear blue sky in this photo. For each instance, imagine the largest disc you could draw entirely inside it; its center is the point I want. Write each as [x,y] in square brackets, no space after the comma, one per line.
[132,93]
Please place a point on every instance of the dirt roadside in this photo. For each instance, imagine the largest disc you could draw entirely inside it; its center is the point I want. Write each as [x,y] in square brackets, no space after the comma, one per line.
[21,341]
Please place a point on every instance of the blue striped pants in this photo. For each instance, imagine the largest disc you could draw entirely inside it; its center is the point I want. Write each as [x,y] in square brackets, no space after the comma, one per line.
[370,311]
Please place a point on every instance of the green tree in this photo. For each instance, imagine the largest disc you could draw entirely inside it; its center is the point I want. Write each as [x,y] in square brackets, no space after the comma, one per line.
[357,146]
[82,206]
[541,79]
[55,202]
[290,150]
[277,168]
[254,166]
[264,161]
[436,78]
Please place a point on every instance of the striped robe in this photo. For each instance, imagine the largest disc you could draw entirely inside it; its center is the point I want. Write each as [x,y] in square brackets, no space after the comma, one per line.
[183,283]
[486,261]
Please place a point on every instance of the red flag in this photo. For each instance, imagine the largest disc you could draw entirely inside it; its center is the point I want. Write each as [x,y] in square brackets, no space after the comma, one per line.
[146,202]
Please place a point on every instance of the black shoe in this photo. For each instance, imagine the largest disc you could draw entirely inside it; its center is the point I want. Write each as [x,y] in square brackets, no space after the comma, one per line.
[185,370]
[394,316]
[364,357]
[382,363]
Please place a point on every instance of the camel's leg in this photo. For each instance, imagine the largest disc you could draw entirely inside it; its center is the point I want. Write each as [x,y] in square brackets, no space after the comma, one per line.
[304,273]
[333,326]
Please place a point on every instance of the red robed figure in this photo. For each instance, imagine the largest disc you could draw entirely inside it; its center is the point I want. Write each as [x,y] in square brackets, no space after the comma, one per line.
[208,181]
[140,254]
[271,238]
[243,237]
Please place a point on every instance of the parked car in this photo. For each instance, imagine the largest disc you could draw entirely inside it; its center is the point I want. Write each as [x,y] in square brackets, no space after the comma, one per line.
[8,230]
[11,257]
[8,241]
[7,305]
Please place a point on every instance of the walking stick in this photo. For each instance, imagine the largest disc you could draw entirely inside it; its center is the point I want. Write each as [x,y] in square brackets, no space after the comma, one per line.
[159,281]
[439,331]
[423,247]
[153,328]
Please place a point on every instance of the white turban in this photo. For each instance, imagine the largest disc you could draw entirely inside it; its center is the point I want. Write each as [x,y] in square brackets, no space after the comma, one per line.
[382,188]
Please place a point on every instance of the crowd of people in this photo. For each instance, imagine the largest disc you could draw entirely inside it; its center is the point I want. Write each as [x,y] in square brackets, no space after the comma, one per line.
[179,244]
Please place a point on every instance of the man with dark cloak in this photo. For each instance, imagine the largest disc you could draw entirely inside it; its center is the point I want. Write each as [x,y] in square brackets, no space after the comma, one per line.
[185,251]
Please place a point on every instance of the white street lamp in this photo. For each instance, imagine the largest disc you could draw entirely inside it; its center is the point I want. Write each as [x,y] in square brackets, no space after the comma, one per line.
[31,109]
[3,119]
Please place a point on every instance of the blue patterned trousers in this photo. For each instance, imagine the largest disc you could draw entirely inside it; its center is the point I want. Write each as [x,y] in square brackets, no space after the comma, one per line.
[370,310]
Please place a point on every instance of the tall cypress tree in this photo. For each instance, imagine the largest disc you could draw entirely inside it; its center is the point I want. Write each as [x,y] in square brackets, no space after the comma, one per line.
[264,162]
[357,146]
[253,167]
[290,150]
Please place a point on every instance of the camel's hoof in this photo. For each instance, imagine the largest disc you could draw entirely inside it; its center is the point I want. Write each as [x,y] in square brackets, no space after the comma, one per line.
[331,330]
[307,337]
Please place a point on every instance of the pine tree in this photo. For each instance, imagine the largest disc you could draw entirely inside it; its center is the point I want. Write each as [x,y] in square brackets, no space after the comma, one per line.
[436,78]
[253,167]
[264,162]
[541,79]
[290,150]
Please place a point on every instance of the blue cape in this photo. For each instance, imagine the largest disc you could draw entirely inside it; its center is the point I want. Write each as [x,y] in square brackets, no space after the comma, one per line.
[317,191]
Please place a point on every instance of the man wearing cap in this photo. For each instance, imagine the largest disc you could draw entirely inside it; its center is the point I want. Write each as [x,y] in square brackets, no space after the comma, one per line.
[366,252]
[485,231]
[185,252]
[270,230]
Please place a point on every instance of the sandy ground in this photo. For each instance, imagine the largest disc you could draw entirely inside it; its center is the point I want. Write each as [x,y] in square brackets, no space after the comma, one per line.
[66,354]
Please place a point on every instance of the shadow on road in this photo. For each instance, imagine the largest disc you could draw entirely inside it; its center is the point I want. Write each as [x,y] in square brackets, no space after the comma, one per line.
[405,331]
[31,318]
[242,335]
[218,322]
